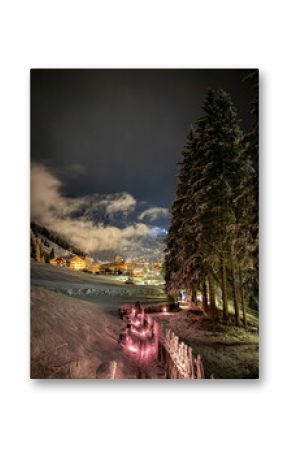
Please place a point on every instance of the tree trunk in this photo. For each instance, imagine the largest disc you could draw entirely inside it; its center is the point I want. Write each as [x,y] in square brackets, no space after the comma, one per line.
[224,289]
[212,304]
[234,290]
[204,296]
[242,298]
[193,295]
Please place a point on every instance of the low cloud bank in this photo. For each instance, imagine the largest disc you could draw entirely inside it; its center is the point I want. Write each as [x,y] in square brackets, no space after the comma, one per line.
[81,219]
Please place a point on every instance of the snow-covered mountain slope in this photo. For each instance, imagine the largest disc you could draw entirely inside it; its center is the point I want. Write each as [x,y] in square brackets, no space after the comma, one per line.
[51,239]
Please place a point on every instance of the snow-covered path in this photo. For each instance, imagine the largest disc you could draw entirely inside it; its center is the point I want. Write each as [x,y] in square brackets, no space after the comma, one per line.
[75,325]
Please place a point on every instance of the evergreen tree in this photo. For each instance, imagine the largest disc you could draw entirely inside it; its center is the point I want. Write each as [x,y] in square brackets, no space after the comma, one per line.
[245,233]
[32,245]
[38,255]
[42,253]
[173,272]
[51,256]
[219,135]
[252,138]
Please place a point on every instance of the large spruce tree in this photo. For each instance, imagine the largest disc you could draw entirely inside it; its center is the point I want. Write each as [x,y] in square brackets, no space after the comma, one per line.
[175,238]
[219,136]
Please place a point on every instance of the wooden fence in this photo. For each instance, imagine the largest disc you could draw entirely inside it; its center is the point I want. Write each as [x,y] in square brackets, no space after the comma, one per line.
[177,358]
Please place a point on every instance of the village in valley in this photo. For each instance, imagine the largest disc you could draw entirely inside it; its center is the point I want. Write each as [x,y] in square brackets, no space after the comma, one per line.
[127,270]
[147,271]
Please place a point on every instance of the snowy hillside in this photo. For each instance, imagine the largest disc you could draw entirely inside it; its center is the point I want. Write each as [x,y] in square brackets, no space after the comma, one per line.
[51,239]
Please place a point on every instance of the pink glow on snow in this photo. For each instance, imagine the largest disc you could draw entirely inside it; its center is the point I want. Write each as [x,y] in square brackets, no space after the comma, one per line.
[142,336]
[132,348]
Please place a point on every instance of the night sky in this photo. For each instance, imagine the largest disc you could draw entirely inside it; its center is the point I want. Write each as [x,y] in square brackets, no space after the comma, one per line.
[121,130]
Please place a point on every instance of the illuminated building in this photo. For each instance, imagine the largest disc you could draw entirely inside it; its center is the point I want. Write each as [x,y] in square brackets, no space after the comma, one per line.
[58,261]
[77,263]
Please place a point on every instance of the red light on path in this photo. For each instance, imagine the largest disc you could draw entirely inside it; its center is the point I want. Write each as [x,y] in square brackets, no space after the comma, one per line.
[132,348]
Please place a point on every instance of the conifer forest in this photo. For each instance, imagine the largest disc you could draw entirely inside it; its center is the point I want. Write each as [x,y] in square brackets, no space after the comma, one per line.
[212,242]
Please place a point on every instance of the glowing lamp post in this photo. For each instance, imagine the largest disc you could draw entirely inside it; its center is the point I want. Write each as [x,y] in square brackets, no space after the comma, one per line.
[184,300]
